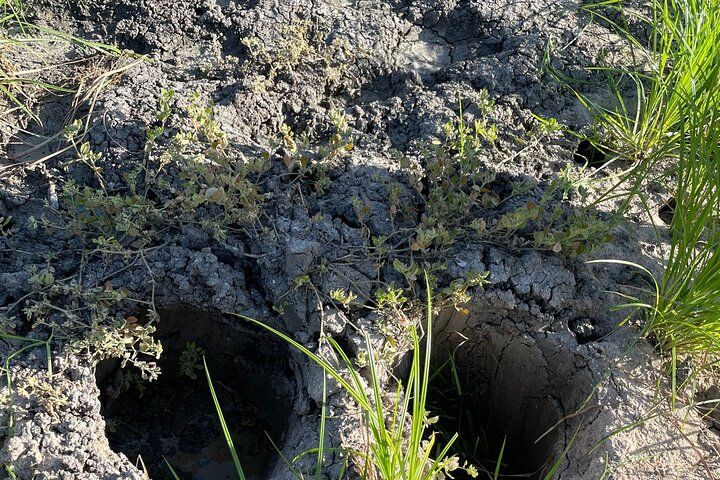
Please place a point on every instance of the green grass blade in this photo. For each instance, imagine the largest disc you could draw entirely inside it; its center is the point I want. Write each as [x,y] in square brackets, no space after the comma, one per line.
[10,472]
[351,389]
[226,432]
[392,455]
[292,469]
[321,441]
[172,470]
[556,466]
[499,460]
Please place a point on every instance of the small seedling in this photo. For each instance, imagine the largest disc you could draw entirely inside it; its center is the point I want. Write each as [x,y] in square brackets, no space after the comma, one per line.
[189,362]
[342,296]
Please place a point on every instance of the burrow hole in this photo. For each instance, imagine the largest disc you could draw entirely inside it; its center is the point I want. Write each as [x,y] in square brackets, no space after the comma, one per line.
[667,211]
[589,154]
[493,385]
[174,416]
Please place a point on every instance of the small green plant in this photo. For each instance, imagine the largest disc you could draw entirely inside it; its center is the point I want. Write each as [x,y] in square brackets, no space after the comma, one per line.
[295,48]
[455,168]
[342,296]
[132,379]
[302,280]
[42,391]
[390,297]
[128,341]
[27,344]
[189,361]
[214,190]
[311,161]
[81,316]
[456,293]
[460,187]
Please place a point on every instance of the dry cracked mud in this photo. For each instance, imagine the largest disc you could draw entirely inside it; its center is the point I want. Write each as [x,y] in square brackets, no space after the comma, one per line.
[548,369]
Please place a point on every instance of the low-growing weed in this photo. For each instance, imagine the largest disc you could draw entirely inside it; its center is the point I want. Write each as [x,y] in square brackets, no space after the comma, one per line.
[42,391]
[297,47]
[461,194]
[211,179]
[85,320]
[189,361]
[26,345]
[311,161]
[131,343]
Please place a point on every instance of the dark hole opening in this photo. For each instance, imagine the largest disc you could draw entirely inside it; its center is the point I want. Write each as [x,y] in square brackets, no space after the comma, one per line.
[587,153]
[667,211]
[137,44]
[584,329]
[175,417]
[492,392]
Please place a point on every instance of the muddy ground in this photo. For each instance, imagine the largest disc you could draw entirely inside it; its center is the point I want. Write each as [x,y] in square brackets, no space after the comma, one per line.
[547,365]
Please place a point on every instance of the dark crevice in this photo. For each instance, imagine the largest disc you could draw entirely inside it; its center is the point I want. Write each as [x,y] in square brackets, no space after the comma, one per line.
[584,330]
[492,390]
[589,154]
[667,211]
[174,416]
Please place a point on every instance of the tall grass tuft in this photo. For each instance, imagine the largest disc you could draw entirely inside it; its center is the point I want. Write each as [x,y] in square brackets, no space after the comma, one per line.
[666,72]
[671,76]
[676,119]
[399,446]
[687,317]
[20,88]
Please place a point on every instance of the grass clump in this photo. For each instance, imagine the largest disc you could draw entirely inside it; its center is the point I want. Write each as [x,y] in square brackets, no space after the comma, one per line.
[399,445]
[666,70]
[687,315]
[21,89]
[675,121]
